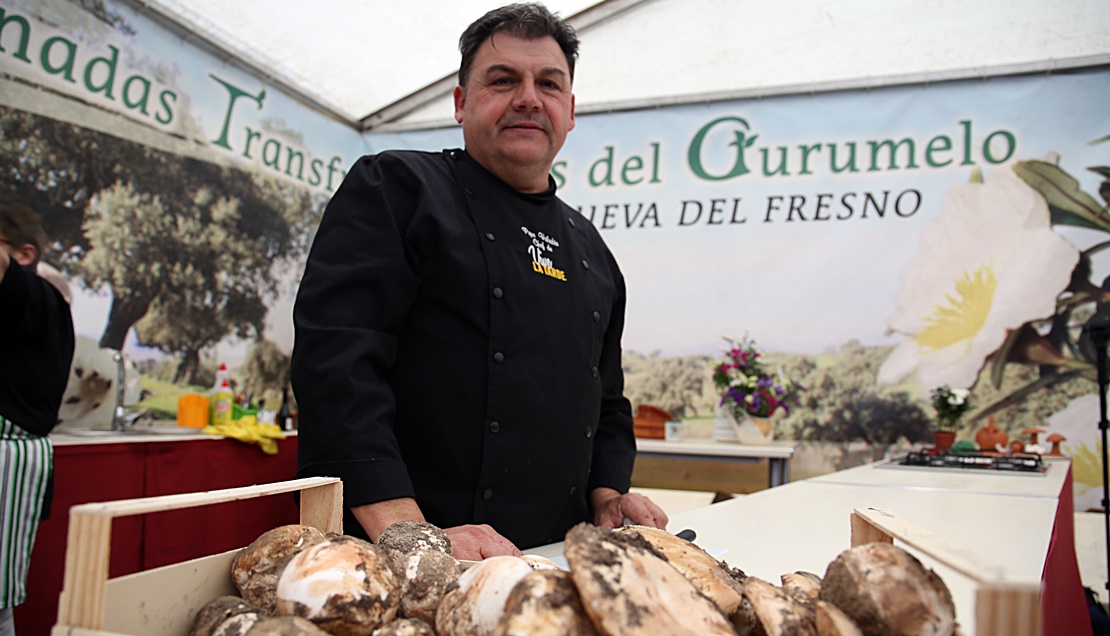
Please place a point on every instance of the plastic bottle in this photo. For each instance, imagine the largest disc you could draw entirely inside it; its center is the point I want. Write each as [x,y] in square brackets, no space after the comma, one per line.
[221,377]
[222,401]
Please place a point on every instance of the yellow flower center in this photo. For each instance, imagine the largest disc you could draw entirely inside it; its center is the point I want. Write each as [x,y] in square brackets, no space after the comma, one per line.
[964,315]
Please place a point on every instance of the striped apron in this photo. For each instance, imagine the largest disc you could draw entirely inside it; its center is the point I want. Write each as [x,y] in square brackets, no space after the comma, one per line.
[26,462]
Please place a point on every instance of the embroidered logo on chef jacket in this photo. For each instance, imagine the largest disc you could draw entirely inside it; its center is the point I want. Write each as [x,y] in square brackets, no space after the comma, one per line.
[542,249]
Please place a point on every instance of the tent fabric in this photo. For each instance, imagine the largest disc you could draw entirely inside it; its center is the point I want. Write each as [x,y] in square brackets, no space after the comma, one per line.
[354,58]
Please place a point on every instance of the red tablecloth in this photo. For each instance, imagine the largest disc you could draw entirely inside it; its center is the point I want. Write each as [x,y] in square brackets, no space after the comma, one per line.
[108,472]
[1063,604]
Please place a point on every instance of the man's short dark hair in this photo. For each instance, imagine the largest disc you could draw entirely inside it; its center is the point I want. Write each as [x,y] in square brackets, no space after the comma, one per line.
[20,226]
[526,21]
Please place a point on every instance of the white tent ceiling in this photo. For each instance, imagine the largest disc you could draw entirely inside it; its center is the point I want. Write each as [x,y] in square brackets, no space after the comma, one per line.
[388,64]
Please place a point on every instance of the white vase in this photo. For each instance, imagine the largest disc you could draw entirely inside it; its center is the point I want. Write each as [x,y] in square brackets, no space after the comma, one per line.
[755,431]
[724,429]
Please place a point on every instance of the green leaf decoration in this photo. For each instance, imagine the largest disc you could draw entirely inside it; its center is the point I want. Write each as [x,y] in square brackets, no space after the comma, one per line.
[1059,216]
[1100,140]
[1024,392]
[976,176]
[998,360]
[1100,170]
[1061,190]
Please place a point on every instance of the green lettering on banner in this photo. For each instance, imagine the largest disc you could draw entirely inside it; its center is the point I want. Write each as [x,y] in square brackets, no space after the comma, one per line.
[932,147]
[234,93]
[162,98]
[742,142]
[849,165]
[144,93]
[893,147]
[71,55]
[24,34]
[1011,146]
[109,80]
[557,169]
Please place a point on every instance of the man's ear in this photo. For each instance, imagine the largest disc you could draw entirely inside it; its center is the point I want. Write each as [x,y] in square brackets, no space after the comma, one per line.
[25,254]
[460,102]
[571,112]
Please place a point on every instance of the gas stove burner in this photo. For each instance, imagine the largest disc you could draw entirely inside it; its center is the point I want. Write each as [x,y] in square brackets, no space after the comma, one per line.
[1024,463]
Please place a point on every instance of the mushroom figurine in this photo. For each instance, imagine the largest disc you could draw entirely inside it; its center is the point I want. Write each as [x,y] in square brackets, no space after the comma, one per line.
[1055,439]
[1033,433]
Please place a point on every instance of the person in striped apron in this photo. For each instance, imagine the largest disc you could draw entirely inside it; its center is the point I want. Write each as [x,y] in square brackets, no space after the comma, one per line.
[36,350]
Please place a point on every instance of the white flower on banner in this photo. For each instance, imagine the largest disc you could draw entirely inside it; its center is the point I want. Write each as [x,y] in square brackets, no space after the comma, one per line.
[988,264]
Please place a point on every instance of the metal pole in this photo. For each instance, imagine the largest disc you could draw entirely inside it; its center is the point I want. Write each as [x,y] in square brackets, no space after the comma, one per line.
[1100,337]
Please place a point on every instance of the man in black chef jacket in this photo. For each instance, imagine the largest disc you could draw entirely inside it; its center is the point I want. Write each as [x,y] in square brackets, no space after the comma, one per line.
[458,327]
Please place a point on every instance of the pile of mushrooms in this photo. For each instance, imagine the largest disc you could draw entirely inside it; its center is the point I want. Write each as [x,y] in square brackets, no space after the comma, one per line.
[294,580]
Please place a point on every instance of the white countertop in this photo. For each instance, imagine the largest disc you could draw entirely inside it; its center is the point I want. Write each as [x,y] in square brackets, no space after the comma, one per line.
[702,447]
[804,525]
[967,480]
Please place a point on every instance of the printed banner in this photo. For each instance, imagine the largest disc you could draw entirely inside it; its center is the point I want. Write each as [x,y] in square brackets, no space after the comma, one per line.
[869,246]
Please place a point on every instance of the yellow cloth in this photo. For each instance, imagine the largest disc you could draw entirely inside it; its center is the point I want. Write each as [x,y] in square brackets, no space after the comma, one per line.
[247,429]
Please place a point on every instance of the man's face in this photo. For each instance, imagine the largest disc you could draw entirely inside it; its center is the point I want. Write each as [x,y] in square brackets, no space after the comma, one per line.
[516,108]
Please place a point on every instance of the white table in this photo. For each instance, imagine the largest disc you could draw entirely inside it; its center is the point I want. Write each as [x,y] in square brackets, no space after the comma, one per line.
[968,480]
[777,453]
[1005,519]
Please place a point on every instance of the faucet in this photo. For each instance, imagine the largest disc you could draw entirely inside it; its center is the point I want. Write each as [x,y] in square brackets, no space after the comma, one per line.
[121,419]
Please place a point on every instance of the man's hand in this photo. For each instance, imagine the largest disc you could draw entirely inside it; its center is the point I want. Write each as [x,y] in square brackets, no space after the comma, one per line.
[474,543]
[611,508]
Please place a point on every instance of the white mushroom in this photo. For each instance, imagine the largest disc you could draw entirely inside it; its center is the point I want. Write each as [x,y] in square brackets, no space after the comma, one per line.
[476,606]
[407,537]
[405,627]
[426,576]
[224,615]
[833,622]
[777,610]
[540,562]
[629,590]
[284,626]
[887,591]
[545,603]
[346,586]
[256,568]
[721,584]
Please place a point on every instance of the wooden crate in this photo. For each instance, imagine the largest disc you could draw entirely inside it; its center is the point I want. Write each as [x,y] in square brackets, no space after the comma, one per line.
[1003,606]
[163,601]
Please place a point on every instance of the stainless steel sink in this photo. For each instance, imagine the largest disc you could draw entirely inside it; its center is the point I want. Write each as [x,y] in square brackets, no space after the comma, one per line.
[162,430]
[130,432]
[87,432]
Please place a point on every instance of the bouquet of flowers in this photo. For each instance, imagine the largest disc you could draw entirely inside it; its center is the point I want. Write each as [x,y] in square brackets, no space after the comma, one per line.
[950,405]
[746,386]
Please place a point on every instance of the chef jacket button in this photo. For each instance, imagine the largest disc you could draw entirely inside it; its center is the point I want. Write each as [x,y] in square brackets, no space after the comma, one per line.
[497,293]
[494,426]
[489,235]
[573,489]
[454,154]
[589,432]
[593,371]
[585,264]
[487,494]
[498,357]
[597,317]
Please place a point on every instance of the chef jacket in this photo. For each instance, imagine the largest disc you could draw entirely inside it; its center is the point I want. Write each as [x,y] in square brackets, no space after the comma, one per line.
[458,342]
